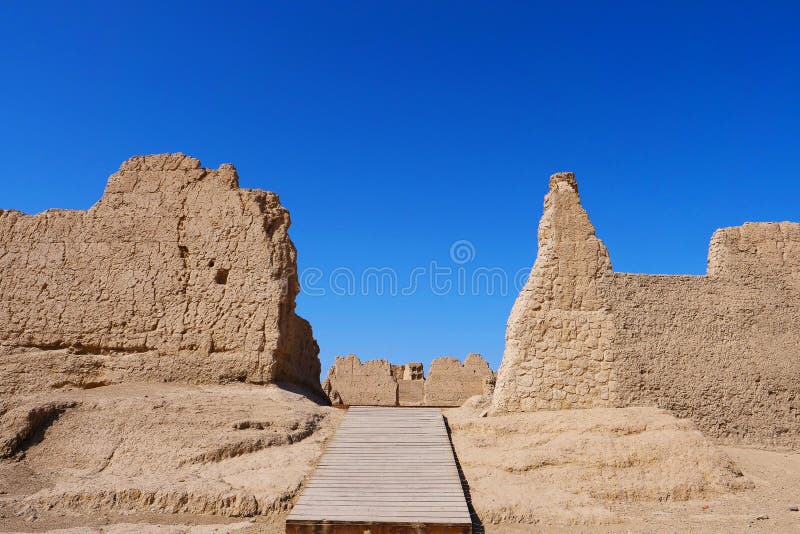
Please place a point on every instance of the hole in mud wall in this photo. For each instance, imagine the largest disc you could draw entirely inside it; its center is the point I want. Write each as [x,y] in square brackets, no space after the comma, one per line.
[222,276]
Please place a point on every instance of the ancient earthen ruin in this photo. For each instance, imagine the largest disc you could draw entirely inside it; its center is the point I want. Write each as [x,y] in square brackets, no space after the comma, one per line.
[176,274]
[123,326]
[379,383]
[722,349]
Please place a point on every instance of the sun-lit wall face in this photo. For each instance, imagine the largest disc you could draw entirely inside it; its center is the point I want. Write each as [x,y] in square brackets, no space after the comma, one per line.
[175,264]
[724,348]
[721,348]
[379,383]
[560,332]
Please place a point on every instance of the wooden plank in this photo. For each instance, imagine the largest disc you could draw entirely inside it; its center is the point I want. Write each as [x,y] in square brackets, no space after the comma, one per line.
[382,497]
[350,527]
[356,491]
[367,516]
[398,500]
[383,510]
[389,469]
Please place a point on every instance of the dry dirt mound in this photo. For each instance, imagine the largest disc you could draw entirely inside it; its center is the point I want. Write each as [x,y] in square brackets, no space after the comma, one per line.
[139,528]
[235,450]
[569,467]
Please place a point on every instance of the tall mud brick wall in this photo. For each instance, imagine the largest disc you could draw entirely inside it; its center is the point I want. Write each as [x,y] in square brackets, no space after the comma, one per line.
[175,274]
[722,349]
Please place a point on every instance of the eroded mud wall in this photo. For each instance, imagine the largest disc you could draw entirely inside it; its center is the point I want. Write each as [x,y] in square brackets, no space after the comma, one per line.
[723,349]
[176,271]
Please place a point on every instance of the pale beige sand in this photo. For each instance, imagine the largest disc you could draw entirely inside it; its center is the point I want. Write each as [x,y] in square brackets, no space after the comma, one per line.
[618,470]
[598,470]
[230,451]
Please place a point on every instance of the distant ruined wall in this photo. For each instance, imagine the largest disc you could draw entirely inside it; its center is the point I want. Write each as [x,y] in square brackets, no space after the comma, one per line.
[722,349]
[379,383]
[176,272]
[451,383]
[370,383]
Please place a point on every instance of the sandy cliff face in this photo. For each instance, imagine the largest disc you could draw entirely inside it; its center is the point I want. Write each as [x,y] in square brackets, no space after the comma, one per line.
[175,274]
[723,349]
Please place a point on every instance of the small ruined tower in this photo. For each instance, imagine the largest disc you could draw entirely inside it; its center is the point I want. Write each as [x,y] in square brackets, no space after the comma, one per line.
[558,338]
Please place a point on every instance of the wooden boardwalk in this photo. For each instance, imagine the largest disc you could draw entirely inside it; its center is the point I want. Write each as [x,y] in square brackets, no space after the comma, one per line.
[386,470]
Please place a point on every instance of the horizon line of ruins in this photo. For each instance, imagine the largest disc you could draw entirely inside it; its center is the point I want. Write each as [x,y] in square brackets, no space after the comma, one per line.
[179,275]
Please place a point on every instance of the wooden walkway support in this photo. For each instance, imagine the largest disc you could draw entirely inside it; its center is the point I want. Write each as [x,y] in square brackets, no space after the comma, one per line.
[386,471]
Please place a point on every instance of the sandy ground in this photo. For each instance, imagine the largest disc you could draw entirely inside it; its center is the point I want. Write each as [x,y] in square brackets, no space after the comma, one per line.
[776,476]
[161,453]
[618,470]
[165,458]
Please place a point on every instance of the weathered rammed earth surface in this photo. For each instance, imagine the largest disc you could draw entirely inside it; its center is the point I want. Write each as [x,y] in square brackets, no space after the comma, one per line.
[558,342]
[78,456]
[451,383]
[175,274]
[574,467]
[379,383]
[351,382]
[119,326]
[722,349]
[611,470]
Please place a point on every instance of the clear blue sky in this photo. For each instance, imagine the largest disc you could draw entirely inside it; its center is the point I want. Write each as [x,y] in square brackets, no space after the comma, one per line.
[393,129]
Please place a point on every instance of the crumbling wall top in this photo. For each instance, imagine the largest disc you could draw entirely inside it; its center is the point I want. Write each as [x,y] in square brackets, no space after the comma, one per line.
[566,178]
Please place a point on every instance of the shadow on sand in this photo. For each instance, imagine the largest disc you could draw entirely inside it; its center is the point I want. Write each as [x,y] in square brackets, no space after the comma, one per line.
[477,525]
